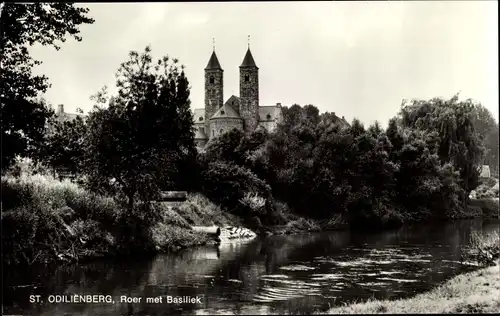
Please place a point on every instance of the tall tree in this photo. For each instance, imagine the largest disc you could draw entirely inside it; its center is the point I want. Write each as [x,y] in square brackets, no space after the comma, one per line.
[459,143]
[22,118]
[63,146]
[145,136]
[487,128]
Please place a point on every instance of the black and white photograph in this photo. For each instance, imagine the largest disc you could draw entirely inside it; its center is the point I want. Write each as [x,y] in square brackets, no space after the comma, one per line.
[249,158]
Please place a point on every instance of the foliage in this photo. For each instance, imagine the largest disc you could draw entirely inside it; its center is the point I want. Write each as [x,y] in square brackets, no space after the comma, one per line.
[482,249]
[487,128]
[458,143]
[144,138]
[44,219]
[63,147]
[369,177]
[228,183]
[24,25]
[488,189]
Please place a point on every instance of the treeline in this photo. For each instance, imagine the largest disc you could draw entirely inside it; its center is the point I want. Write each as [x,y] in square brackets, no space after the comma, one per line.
[423,166]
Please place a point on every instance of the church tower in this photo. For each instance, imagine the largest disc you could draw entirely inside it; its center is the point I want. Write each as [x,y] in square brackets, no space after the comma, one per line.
[249,93]
[213,88]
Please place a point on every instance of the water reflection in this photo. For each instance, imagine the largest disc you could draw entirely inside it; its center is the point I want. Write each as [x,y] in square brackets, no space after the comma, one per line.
[282,274]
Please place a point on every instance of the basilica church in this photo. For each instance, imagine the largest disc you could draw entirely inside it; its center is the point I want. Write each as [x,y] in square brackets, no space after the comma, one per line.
[243,112]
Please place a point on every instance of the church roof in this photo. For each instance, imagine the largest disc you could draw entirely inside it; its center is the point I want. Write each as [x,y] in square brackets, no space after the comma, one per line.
[225,111]
[272,110]
[197,114]
[248,60]
[213,63]
[229,111]
[234,101]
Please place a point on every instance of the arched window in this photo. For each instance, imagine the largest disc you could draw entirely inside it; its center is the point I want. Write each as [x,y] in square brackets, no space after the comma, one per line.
[201,118]
[213,132]
[247,78]
[268,116]
[212,79]
[221,131]
[222,112]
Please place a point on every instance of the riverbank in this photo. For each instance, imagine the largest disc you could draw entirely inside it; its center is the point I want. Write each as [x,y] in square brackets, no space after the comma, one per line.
[46,220]
[473,292]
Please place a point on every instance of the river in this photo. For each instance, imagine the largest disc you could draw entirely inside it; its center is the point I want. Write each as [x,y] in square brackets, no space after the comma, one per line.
[279,274]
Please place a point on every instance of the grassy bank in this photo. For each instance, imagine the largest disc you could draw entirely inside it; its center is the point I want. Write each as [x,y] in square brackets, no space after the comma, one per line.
[474,292]
[46,220]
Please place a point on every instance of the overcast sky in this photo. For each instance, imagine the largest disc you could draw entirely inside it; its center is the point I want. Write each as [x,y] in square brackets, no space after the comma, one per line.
[357,59]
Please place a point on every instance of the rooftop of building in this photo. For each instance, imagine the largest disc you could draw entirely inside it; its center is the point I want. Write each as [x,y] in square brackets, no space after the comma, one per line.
[248,61]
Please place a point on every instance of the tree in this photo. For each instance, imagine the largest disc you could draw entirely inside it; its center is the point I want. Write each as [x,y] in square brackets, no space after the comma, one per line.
[459,144]
[487,128]
[144,136]
[63,147]
[22,118]
[225,147]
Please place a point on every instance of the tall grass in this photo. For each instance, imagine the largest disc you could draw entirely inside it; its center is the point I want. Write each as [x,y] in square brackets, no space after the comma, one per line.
[198,210]
[482,250]
[44,220]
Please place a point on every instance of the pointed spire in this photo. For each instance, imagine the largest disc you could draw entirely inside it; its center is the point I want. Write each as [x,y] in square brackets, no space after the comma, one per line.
[248,60]
[213,63]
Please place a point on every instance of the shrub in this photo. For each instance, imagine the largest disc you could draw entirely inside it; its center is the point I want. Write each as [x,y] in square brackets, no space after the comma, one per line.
[301,225]
[488,189]
[483,249]
[227,184]
[489,207]
[45,219]
[201,211]
[254,202]
[167,237]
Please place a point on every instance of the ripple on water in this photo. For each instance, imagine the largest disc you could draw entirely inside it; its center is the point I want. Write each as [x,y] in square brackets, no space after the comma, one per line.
[235,281]
[297,267]
[415,260]
[372,283]
[390,272]
[398,280]
[296,284]
[361,262]
[324,277]
[275,276]
[275,293]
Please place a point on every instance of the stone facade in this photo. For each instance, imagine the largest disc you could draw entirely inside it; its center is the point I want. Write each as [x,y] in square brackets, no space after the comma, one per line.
[249,93]
[214,84]
[219,126]
[243,112]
